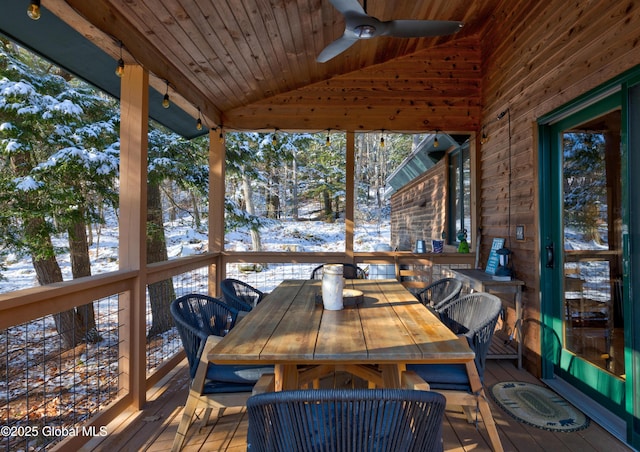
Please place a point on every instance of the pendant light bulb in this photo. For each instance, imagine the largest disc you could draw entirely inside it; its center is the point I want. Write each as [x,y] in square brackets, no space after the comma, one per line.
[221,136]
[199,121]
[484,137]
[165,99]
[381,142]
[328,141]
[435,141]
[33,10]
[120,68]
[274,139]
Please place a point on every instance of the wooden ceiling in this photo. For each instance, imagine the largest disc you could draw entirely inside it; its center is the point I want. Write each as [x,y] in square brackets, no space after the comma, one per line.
[251,64]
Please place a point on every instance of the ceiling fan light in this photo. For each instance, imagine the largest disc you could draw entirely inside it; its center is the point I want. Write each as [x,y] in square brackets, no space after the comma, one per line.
[365,31]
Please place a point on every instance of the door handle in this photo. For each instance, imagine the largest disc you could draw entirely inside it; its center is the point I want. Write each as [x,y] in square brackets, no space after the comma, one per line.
[549,249]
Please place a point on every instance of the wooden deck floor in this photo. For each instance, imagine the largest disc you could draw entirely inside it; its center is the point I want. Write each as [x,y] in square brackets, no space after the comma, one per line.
[153,428]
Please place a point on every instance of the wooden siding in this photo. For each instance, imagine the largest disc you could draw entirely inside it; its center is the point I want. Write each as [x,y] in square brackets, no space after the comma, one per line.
[418,210]
[535,60]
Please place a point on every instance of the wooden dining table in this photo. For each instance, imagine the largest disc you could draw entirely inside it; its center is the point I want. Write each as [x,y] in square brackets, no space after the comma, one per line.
[374,337]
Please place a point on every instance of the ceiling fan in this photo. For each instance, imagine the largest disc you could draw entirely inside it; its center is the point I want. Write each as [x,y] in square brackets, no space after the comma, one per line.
[359,25]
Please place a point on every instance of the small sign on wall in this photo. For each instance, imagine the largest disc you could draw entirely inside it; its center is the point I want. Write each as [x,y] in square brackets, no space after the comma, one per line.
[520,232]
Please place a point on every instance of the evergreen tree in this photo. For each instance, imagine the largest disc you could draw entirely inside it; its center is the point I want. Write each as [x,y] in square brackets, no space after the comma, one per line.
[59,155]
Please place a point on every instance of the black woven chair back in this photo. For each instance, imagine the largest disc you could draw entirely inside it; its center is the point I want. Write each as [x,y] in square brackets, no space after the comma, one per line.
[474,316]
[440,292]
[349,271]
[197,316]
[240,295]
[348,420]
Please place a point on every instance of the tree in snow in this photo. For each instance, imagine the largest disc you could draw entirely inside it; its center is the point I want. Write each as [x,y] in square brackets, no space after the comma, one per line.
[59,147]
[183,163]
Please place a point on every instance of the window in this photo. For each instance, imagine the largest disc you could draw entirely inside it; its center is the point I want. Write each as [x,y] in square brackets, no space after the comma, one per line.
[459,206]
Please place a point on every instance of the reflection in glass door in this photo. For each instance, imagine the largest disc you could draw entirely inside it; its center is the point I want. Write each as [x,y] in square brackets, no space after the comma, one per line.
[592,236]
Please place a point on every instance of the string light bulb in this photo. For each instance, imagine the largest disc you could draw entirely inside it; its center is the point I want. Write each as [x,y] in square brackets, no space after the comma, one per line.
[120,67]
[382,140]
[274,139]
[221,136]
[435,140]
[33,10]
[328,141]
[484,137]
[165,99]
[199,121]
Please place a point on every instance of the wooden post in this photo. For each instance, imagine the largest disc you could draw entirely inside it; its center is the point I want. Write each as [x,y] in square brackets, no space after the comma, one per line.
[134,117]
[217,151]
[350,196]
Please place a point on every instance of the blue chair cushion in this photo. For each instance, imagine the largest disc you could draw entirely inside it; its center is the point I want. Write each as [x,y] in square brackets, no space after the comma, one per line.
[216,387]
[443,376]
[242,375]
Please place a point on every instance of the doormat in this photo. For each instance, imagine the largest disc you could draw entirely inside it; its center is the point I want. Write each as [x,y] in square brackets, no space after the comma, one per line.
[538,406]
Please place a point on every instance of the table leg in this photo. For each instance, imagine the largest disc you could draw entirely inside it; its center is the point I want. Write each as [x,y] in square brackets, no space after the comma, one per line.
[483,406]
[392,375]
[286,377]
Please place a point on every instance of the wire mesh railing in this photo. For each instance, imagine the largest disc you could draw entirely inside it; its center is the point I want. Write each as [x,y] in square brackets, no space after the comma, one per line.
[163,341]
[49,387]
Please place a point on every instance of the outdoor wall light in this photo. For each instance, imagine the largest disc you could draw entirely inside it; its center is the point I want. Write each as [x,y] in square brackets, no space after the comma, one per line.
[33,11]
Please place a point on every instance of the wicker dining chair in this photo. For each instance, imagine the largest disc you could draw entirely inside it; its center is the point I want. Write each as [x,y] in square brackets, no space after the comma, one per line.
[440,292]
[202,321]
[350,271]
[240,295]
[348,420]
[473,317]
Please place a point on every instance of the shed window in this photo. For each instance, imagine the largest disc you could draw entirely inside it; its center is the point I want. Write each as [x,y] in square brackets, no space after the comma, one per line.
[459,206]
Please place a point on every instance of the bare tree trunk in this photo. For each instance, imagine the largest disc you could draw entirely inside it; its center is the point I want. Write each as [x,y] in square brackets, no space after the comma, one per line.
[161,293]
[248,199]
[295,187]
[80,267]
[196,210]
[48,272]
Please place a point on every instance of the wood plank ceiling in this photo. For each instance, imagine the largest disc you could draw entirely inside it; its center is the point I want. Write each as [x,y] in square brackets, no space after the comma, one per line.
[251,64]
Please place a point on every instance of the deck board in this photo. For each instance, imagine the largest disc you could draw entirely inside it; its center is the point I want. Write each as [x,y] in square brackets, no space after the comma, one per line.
[153,428]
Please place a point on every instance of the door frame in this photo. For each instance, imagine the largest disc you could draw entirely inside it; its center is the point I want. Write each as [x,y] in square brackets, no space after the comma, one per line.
[624,90]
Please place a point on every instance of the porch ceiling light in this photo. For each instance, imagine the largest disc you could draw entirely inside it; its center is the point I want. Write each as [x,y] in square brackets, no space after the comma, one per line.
[33,11]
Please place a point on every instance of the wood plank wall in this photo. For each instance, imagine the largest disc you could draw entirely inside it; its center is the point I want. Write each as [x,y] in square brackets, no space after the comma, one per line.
[535,59]
[418,210]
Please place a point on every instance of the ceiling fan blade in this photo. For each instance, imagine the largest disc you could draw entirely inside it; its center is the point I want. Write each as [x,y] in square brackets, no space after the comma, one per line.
[348,6]
[335,48]
[420,28]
